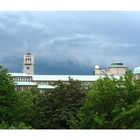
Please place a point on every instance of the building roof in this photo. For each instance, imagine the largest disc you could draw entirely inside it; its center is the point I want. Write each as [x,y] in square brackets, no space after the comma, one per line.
[65,77]
[60,77]
[97,67]
[45,87]
[116,65]
[136,70]
[25,84]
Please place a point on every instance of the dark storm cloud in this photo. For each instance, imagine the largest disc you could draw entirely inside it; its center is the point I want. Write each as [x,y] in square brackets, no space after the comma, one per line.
[65,39]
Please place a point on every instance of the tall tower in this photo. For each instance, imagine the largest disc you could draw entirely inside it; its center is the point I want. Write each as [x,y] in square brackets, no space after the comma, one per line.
[28,64]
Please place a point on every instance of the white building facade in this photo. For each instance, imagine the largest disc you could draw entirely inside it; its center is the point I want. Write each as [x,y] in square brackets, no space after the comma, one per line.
[45,83]
[27,79]
[136,73]
[115,68]
[28,63]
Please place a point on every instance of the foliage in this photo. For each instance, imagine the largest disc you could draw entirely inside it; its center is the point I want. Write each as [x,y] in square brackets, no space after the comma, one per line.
[24,107]
[21,125]
[7,97]
[4,125]
[112,103]
[55,110]
[16,108]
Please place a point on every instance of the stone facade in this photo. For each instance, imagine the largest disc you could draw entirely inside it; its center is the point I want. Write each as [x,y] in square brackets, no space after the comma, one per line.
[28,64]
[114,69]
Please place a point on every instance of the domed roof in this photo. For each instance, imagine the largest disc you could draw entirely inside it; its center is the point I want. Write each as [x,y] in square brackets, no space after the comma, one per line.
[116,64]
[137,70]
[97,67]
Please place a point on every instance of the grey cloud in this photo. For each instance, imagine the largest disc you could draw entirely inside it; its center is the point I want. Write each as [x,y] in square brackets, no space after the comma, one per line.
[83,49]
[81,38]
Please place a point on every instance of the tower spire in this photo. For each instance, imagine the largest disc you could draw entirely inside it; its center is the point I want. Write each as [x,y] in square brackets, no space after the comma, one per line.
[28,43]
[28,61]
[29,46]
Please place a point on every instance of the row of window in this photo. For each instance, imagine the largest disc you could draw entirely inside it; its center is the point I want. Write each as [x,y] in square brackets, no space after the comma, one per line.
[28,60]
[29,79]
[21,88]
[45,83]
[22,79]
[66,82]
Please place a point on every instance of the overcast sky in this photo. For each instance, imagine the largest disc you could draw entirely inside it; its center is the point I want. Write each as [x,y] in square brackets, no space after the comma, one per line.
[69,42]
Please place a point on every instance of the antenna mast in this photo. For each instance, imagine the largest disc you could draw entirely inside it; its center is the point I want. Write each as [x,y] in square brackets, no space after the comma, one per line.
[29,46]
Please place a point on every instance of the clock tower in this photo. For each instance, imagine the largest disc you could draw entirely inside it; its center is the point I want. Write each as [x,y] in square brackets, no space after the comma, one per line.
[28,63]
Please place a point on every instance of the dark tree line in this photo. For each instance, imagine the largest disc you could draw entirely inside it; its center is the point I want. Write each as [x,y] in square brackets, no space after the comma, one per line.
[109,104]
[31,109]
[55,110]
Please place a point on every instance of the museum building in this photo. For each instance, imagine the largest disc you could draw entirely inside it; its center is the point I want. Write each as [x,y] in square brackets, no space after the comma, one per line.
[27,79]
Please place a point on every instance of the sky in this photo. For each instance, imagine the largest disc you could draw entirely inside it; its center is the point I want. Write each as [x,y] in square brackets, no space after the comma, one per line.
[69,42]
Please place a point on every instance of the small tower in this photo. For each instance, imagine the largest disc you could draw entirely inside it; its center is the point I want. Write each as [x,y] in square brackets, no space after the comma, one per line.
[28,63]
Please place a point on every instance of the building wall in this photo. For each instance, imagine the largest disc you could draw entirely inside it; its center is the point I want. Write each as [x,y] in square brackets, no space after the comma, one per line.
[100,72]
[22,87]
[22,78]
[137,76]
[118,71]
[111,71]
[26,82]
[28,64]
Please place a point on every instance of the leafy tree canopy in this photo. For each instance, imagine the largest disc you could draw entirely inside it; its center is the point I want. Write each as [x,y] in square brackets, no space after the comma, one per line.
[54,110]
[24,111]
[7,96]
[112,103]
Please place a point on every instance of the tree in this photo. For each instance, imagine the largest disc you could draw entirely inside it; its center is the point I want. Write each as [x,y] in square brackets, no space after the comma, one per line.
[55,110]
[21,125]
[24,107]
[7,97]
[112,103]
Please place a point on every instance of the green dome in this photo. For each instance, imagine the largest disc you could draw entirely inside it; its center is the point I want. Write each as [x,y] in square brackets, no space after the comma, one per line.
[137,70]
[116,65]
